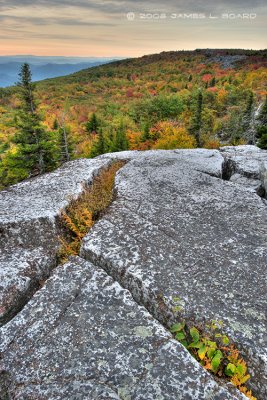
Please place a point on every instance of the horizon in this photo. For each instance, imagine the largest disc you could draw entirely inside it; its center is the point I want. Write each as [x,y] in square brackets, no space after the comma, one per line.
[54,56]
[124,57]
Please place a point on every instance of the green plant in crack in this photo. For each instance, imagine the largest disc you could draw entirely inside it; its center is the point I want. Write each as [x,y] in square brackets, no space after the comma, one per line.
[213,350]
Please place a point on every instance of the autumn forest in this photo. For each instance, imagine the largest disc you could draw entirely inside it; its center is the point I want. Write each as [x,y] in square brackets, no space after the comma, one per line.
[185,99]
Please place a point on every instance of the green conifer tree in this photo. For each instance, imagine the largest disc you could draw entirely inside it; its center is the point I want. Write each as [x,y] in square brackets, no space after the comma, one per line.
[36,152]
[99,146]
[196,122]
[64,136]
[213,82]
[146,133]
[55,125]
[93,124]
[262,133]
[121,141]
[248,120]
[110,141]
[247,117]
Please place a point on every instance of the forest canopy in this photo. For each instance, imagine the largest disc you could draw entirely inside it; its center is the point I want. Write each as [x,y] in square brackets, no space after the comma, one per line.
[169,100]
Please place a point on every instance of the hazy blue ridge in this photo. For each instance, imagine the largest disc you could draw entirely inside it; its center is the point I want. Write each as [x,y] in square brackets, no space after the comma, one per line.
[45,67]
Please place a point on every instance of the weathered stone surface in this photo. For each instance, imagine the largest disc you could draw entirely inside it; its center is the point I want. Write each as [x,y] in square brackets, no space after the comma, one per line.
[82,336]
[175,231]
[28,231]
[243,166]
[28,213]
[207,161]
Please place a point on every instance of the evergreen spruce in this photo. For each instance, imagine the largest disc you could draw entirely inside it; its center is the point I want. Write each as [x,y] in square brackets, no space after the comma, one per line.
[55,125]
[248,125]
[121,142]
[262,133]
[197,118]
[110,142]
[248,112]
[146,133]
[35,147]
[99,146]
[213,82]
[92,125]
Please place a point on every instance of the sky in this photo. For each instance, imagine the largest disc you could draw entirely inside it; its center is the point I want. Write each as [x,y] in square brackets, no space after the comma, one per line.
[129,28]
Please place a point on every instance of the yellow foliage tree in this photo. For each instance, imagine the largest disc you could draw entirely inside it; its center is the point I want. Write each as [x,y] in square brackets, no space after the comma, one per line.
[171,136]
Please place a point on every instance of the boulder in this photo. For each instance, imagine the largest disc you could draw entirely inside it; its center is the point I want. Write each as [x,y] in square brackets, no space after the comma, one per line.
[243,166]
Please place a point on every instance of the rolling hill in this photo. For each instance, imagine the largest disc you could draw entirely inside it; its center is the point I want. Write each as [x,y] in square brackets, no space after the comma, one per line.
[178,99]
[44,67]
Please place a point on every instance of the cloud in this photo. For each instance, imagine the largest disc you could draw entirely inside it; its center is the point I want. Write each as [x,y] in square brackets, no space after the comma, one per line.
[112,10]
[38,21]
[113,6]
[110,33]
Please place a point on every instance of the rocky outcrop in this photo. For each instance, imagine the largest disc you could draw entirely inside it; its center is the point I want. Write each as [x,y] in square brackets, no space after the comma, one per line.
[176,230]
[28,240]
[179,232]
[83,336]
[244,166]
[226,61]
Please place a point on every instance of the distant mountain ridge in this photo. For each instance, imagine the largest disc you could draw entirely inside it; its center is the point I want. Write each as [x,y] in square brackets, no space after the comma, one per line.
[45,67]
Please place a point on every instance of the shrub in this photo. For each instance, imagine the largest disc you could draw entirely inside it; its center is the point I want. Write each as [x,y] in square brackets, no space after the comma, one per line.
[214,352]
[77,219]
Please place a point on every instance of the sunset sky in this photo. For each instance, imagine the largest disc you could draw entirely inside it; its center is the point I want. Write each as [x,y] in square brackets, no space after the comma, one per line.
[129,28]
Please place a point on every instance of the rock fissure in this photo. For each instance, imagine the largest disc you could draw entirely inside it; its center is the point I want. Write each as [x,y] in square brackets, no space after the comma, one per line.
[37,268]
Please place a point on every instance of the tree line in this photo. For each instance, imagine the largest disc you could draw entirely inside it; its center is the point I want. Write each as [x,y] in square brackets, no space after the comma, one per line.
[38,149]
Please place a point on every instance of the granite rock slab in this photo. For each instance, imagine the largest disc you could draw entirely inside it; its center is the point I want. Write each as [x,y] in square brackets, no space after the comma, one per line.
[176,230]
[29,231]
[82,336]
